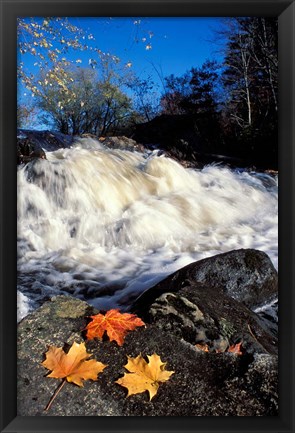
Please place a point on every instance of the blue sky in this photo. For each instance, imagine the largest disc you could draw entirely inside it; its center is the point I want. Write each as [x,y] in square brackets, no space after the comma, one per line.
[175,44]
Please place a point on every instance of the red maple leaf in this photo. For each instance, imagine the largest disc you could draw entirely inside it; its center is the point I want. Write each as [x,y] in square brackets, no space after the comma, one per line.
[114,323]
[235,348]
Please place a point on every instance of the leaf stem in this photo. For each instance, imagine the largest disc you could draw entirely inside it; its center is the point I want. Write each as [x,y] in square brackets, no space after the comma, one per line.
[251,332]
[58,389]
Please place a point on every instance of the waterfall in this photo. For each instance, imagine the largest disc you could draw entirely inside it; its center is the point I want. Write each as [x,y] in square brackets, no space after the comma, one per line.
[103,225]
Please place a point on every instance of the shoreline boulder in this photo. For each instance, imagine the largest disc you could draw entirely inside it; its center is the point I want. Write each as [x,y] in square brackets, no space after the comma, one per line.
[32,144]
[246,275]
[203,383]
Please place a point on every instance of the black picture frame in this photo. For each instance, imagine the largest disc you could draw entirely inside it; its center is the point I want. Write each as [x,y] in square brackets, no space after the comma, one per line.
[285,11]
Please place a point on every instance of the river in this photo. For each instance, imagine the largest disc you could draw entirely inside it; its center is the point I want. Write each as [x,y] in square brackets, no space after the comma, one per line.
[104,225]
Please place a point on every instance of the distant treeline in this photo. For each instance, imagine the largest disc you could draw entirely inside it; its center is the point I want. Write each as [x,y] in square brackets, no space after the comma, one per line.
[235,105]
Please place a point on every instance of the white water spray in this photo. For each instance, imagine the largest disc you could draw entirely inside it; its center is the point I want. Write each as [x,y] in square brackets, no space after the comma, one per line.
[104,225]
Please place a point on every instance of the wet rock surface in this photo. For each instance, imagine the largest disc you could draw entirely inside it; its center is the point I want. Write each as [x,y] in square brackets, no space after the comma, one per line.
[33,144]
[179,137]
[149,137]
[246,275]
[122,143]
[201,314]
[27,151]
[204,383]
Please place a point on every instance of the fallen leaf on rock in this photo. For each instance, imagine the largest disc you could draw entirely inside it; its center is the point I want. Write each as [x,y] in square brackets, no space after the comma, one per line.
[72,366]
[235,348]
[114,323]
[203,347]
[144,376]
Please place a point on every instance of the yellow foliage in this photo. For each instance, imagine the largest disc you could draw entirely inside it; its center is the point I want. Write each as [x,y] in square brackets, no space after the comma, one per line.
[144,376]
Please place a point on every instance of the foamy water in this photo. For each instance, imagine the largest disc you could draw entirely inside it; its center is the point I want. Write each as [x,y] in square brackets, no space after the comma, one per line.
[104,225]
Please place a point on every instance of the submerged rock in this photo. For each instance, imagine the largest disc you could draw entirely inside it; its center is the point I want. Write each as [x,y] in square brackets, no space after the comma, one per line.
[203,384]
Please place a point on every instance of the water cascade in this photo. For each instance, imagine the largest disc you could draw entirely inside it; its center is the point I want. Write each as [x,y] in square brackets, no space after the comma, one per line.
[103,225]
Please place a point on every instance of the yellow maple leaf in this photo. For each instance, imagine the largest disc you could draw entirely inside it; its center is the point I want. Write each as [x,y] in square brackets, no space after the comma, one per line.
[144,376]
[72,366]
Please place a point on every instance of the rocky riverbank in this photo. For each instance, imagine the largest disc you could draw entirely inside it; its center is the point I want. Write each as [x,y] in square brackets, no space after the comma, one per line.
[204,306]
[33,144]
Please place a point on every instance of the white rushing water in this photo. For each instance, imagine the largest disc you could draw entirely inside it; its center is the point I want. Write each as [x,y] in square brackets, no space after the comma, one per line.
[104,225]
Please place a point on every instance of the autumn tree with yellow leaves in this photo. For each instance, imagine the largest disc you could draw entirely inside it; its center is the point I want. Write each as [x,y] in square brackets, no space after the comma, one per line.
[73,100]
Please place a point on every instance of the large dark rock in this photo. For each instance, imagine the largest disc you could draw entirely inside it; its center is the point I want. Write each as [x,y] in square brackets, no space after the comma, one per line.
[203,384]
[27,150]
[187,139]
[202,314]
[33,144]
[174,134]
[246,275]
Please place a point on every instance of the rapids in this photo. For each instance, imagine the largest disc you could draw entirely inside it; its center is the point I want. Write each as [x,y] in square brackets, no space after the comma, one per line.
[104,225]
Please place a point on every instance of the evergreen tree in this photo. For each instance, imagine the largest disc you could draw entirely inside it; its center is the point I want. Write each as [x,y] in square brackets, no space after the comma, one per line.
[202,98]
[177,89]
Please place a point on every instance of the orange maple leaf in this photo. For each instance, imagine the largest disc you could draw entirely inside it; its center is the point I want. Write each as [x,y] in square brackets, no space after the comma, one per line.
[235,348]
[203,347]
[114,323]
[72,366]
[144,376]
